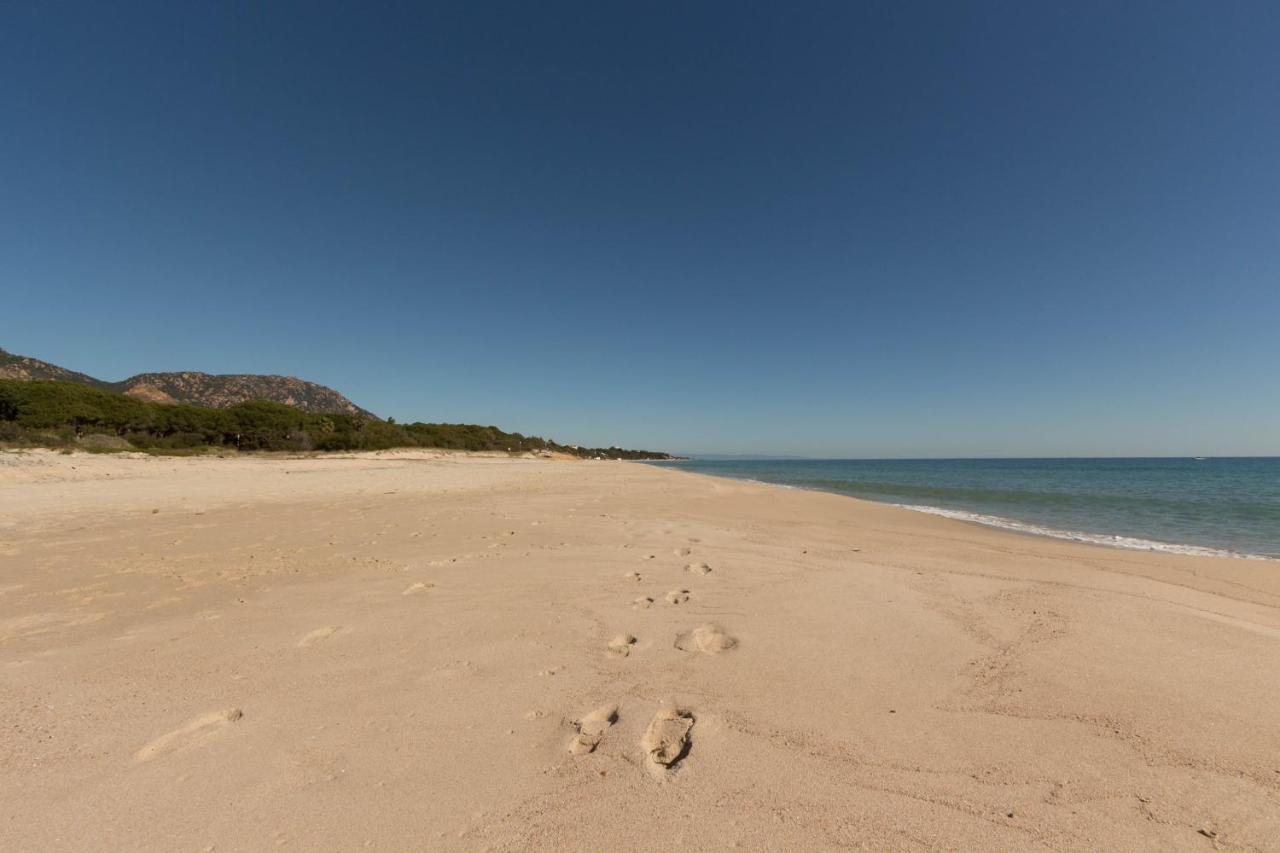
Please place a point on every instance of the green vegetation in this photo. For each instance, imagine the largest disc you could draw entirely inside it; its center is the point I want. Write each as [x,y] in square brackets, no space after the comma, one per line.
[62,414]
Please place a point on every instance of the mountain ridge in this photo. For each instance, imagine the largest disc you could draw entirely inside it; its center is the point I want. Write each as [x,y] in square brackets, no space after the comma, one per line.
[218,391]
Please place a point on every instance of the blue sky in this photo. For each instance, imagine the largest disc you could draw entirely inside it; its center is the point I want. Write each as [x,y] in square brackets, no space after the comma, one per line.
[876,229]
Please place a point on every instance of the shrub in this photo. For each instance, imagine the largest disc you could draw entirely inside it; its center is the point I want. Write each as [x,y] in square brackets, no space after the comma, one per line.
[58,413]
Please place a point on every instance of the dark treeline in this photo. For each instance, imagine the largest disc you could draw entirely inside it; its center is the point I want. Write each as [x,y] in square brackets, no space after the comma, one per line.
[56,414]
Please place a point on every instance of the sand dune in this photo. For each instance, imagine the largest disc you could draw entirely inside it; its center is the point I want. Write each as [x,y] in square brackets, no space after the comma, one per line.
[436,651]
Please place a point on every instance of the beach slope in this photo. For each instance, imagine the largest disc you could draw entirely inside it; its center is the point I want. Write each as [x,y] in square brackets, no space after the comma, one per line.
[437,651]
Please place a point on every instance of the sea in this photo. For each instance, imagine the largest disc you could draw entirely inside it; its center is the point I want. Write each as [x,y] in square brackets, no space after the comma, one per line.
[1207,506]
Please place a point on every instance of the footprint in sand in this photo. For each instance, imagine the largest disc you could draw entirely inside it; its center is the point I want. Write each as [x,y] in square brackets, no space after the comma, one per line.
[644,602]
[591,729]
[682,552]
[698,569]
[666,740]
[677,596]
[319,634]
[709,639]
[620,646]
[417,587]
[632,576]
[195,731]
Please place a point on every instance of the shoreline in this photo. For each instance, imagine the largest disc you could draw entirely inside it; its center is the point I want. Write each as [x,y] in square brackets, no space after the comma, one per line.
[1124,543]
[982,520]
[1025,527]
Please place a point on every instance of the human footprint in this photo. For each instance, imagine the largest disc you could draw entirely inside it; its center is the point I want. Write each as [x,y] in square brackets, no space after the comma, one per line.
[591,728]
[710,639]
[666,740]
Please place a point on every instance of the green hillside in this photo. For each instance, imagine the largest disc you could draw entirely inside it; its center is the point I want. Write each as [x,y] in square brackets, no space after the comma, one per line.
[62,414]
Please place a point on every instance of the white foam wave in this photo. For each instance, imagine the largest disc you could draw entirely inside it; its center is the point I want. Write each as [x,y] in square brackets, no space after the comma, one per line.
[767,483]
[1129,542]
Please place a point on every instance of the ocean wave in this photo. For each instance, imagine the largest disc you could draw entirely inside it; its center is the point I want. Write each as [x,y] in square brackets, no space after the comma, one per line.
[1114,541]
[1243,511]
[766,483]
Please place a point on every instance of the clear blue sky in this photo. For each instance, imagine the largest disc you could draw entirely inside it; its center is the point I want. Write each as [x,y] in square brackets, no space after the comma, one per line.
[855,229]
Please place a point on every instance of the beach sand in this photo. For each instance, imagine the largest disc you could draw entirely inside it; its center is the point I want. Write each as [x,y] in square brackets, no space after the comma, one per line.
[434,651]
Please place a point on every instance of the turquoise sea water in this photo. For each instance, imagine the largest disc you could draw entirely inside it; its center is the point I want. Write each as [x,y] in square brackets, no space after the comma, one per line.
[1177,505]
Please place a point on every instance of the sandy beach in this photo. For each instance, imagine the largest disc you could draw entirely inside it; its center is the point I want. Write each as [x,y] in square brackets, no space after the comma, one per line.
[432,651]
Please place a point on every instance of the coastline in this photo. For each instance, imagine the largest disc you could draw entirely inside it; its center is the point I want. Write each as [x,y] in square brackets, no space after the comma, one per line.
[1129,541]
[403,650]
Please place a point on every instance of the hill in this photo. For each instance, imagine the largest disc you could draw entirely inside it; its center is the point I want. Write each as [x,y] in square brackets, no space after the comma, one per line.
[221,391]
[217,391]
[29,369]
